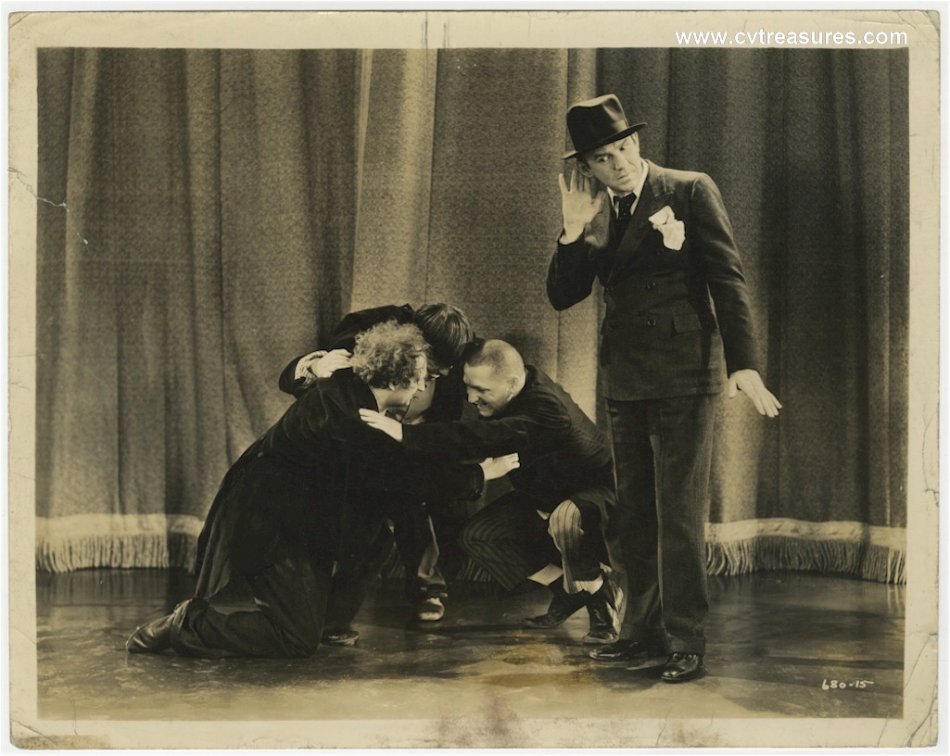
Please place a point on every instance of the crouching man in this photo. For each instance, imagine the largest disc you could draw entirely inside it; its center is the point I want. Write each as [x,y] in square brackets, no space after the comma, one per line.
[551,528]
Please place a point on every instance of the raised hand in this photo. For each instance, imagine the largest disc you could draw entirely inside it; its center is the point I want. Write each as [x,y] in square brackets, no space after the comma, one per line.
[580,203]
[497,467]
[749,382]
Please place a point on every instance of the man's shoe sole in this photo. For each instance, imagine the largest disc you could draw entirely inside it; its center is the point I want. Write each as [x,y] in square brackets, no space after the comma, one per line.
[429,611]
[340,640]
[626,656]
[529,624]
[430,617]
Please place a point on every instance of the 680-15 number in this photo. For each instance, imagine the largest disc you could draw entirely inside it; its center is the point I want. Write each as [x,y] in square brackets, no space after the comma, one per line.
[842,685]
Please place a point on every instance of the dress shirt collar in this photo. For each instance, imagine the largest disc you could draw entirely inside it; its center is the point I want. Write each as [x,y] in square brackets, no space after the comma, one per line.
[644,168]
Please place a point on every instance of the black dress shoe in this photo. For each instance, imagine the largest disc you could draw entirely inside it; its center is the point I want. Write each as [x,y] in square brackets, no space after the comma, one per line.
[153,637]
[562,606]
[604,617]
[625,650]
[683,667]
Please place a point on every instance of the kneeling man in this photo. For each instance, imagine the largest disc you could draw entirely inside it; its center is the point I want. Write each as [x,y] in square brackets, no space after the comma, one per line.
[551,527]
[310,495]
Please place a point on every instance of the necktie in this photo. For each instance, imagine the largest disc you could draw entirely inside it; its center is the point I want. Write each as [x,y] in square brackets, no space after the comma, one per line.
[623,206]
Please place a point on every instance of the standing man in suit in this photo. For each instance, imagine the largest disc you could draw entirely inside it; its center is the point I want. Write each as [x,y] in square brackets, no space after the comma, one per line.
[678,326]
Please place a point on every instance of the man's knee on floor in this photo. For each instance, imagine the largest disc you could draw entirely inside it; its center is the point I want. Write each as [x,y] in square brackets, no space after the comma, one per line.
[301,646]
[300,634]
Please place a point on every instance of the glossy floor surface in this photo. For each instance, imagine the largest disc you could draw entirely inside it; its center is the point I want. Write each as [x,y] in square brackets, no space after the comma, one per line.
[777,642]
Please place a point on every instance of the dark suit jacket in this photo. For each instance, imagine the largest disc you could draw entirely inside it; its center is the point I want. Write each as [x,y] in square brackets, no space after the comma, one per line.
[318,482]
[560,450]
[449,399]
[674,319]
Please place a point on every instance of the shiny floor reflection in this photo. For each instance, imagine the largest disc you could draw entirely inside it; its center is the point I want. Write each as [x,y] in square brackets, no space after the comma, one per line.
[789,645]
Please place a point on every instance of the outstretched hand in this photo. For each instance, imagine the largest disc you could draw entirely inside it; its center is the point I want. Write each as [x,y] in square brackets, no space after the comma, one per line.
[580,202]
[749,382]
[498,467]
[379,421]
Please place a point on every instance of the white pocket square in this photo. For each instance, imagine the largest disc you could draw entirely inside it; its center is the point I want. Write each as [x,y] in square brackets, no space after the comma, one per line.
[673,230]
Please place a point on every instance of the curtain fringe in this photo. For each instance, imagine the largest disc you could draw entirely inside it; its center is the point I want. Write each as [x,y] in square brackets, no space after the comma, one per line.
[880,563]
[883,564]
[116,550]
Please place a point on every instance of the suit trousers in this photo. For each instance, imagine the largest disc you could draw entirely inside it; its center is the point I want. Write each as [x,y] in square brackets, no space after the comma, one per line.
[512,539]
[419,553]
[662,455]
[351,584]
[277,612]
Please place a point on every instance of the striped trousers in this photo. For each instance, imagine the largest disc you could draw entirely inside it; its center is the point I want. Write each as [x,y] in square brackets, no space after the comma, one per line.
[512,539]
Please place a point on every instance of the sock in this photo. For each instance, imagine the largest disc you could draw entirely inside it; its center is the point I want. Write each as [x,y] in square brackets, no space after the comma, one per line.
[547,575]
[591,586]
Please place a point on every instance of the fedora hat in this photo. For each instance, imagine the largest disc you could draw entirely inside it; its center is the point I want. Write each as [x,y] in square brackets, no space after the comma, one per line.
[594,123]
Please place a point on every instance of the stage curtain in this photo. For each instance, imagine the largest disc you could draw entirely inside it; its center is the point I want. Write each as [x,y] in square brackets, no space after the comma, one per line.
[206,215]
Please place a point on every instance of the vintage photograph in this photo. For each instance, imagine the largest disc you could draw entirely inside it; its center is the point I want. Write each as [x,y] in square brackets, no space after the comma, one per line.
[474,380]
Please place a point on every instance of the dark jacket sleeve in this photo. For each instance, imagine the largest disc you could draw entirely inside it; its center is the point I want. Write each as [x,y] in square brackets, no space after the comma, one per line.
[571,273]
[344,337]
[536,428]
[380,465]
[288,383]
[713,242]
[451,481]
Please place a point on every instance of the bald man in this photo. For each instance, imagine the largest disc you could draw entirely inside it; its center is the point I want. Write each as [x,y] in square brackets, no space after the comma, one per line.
[551,528]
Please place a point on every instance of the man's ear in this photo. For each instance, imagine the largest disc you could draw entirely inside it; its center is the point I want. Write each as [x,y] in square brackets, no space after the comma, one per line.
[582,166]
[512,387]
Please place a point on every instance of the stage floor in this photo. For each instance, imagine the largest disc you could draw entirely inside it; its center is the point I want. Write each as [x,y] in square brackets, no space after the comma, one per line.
[776,643]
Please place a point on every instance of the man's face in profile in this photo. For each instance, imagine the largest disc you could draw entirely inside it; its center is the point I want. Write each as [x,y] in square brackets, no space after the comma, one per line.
[489,391]
[615,165]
